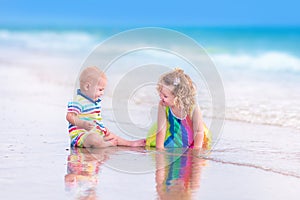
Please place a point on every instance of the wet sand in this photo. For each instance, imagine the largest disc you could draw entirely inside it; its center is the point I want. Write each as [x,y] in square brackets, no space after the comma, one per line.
[47,173]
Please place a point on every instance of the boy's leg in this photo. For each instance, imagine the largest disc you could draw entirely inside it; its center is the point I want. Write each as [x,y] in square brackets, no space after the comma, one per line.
[94,140]
[124,142]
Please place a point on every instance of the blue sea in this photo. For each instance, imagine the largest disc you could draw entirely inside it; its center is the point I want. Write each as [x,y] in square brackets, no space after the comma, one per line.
[257,71]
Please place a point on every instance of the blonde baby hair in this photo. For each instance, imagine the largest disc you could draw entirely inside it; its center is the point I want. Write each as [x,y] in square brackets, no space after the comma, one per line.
[182,87]
[91,75]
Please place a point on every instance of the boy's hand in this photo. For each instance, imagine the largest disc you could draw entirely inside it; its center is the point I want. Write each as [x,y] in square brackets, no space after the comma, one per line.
[87,125]
[73,119]
[108,136]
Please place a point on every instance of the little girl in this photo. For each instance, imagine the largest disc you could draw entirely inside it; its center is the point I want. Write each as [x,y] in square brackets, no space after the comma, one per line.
[179,122]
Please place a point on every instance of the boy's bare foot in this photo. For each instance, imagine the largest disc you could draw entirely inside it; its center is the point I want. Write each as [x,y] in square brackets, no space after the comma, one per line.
[138,143]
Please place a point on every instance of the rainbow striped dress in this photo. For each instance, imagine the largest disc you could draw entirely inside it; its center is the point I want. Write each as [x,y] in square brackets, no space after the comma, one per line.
[179,132]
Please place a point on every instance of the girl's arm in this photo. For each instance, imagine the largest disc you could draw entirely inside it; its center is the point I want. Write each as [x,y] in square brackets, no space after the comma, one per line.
[198,128]
[161,127]
[73,119]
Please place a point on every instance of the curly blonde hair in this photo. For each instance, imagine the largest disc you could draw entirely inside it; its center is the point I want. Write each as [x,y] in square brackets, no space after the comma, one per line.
[181,86]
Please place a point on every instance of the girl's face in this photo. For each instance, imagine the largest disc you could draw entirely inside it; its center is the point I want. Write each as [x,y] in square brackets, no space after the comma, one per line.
[166,96]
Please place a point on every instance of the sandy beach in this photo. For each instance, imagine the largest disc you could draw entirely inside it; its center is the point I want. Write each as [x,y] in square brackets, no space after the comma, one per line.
[249,161]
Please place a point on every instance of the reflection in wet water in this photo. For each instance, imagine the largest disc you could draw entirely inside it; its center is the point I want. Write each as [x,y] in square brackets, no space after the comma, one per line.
[82,173]
[181,178]
[177,171]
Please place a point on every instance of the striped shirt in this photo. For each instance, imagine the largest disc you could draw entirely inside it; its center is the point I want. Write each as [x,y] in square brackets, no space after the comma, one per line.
[86,109]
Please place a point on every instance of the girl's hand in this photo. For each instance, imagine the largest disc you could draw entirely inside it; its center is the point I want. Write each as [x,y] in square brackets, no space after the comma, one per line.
[160,148]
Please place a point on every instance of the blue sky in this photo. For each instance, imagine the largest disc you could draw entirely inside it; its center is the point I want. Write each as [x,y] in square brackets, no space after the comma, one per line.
[154,12]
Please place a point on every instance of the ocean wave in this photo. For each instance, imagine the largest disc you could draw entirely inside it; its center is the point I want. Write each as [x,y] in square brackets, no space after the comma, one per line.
[269,61]
[263,116]
[48,40]
[54,40]
[263,110]
[257,166]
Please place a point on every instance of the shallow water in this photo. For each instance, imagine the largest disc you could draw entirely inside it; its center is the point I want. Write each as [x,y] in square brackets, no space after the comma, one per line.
[175,174]
[172,174]
[235,168]
[263,147]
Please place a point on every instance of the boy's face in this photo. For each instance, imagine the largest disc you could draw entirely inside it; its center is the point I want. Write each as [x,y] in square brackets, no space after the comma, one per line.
[166,96]
[96,90]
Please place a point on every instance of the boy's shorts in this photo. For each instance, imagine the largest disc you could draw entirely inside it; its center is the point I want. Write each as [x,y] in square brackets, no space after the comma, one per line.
[78,136]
